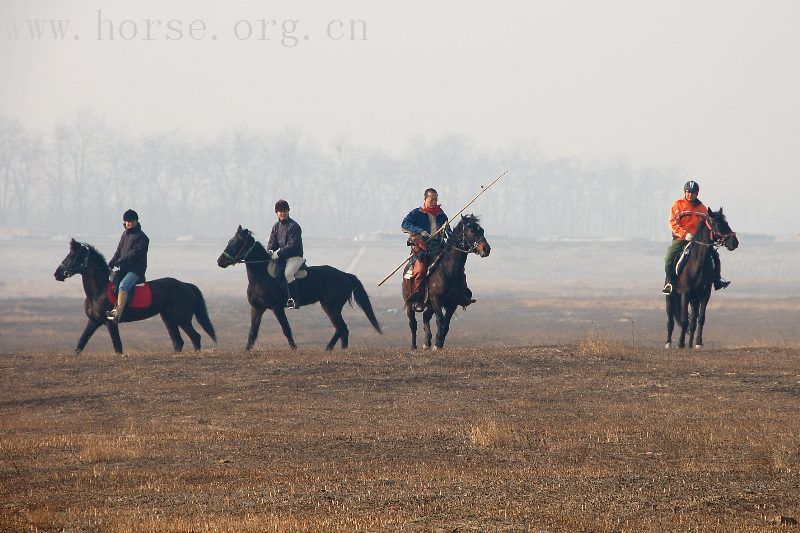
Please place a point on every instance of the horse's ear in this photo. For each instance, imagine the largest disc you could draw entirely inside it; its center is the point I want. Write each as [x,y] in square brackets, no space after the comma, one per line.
[720,210]
[74,245]
[239,229]
[463,217]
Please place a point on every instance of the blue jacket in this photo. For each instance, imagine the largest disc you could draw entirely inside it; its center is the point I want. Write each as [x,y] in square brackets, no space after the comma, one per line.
[416,221]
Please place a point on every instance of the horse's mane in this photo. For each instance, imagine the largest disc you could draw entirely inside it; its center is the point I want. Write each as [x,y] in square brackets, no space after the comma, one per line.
[95,251]
[466,219]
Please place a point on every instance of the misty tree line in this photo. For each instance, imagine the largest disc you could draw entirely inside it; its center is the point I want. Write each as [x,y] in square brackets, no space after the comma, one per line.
[80,177]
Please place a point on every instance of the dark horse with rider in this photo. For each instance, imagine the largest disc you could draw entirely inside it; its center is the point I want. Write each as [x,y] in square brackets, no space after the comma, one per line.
[692,264]
[435,281]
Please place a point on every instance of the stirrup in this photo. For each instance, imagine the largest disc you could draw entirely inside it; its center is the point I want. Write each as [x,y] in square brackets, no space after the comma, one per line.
[667,289]
[291,304]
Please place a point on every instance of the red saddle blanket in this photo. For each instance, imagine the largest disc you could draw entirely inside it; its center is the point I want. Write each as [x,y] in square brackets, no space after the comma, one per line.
[142,296]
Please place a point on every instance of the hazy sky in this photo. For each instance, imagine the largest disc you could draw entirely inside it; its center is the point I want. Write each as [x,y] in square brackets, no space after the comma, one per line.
[710,86]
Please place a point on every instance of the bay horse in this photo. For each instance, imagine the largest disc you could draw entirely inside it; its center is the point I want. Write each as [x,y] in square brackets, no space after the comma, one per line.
[325,284]
[174,300]
[689,299]
[445,283]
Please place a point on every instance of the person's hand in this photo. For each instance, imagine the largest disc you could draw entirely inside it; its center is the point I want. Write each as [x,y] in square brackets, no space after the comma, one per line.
[271,254]
[425,235]
[689,237]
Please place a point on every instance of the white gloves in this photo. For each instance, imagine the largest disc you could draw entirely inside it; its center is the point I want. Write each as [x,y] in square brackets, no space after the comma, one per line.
[425,234]
[689,237]
[272,254]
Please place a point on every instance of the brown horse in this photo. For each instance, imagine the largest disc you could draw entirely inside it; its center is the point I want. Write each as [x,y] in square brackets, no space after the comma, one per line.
[689,299]
[174,300]
[445,284]
[329,286]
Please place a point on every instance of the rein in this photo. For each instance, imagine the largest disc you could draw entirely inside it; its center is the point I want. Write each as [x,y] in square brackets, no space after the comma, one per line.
[84,267]
[243,258]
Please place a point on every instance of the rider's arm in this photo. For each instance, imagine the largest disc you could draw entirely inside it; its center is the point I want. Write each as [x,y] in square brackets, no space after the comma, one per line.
[115,258]
[409,225]
[273,238]
[674,219]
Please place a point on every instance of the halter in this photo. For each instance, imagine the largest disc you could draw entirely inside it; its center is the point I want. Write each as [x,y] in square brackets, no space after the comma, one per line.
[243,257]
[718,239]
[465,246]
[85,266]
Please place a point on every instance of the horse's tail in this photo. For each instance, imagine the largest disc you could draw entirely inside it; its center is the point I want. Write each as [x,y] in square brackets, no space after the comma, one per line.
[362,299]
[201,313]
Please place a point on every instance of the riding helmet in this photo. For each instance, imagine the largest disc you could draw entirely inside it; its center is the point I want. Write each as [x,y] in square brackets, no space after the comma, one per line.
[281,205]
[691,186]
[130,216]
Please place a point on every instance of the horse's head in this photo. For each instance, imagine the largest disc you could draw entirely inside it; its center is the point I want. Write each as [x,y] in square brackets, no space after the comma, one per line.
[721,231]
[79,259]
[470,233]
[237,248]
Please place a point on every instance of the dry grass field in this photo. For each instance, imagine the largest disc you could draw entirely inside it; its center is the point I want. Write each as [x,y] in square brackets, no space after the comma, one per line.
[592,436]
[553,408]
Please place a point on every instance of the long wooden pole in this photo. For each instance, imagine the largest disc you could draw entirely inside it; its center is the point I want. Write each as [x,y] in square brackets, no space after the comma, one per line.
[441,228]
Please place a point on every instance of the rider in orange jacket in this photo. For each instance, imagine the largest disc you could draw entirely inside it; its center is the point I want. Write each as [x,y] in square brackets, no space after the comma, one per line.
[684,217]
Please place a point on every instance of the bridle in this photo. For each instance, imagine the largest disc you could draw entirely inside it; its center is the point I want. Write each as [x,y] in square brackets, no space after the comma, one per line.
[242,257]
[68,273]
[463,245]
[718,239]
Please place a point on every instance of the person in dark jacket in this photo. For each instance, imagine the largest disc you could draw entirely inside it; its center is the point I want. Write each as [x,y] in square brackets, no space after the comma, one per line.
[421,223]
[131,258]
[286,247]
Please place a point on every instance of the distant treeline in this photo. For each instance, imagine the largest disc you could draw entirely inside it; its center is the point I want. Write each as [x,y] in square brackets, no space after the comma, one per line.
[80,177]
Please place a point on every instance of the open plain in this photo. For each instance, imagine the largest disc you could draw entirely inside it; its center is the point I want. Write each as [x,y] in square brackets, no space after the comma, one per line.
[553,407]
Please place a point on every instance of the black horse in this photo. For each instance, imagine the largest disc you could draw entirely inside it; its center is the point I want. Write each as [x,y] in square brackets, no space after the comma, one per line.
[445,284]
[688,301]
[174,300]
[329,286]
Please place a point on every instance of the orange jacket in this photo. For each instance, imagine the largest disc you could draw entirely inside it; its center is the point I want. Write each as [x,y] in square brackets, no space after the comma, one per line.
[684,217]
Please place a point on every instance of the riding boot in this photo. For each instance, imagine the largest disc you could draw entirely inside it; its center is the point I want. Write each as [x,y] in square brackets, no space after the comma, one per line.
[116,313]
[669,283]
[466,296]
[719,281]
[294,296]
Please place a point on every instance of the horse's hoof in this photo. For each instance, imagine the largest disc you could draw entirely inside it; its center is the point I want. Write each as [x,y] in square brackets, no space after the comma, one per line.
[435,349]
[293,346]
[698,346]
[668,346]
[426,347]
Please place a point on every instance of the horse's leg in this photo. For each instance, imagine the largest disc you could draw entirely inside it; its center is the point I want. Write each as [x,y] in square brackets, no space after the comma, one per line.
[670,321]
[693,305]
[412,324]
[683,320]
[444,327]
[426,325]
[341,328]
[88,331]
[255,322]
[701,318]
[174,334]
[194,336]
[280,315]
[439,326]
[113,331]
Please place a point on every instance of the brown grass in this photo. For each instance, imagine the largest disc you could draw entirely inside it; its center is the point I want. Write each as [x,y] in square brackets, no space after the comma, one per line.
[604,345]
[539,438]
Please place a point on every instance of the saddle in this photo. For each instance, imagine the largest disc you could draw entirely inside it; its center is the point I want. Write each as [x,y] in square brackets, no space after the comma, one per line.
[272,270]
[681,262]
[140,297]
